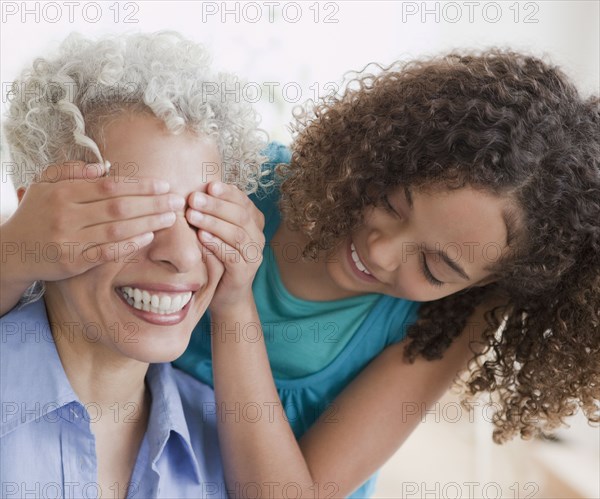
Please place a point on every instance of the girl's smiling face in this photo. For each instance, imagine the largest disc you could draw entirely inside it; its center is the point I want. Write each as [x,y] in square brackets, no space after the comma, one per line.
[145,305]
[424,245]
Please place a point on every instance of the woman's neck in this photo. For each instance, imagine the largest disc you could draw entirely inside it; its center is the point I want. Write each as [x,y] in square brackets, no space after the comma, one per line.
[98,374]
[112,389]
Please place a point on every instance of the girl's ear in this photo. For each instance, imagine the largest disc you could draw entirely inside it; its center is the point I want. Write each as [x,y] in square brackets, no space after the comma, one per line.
[20,193]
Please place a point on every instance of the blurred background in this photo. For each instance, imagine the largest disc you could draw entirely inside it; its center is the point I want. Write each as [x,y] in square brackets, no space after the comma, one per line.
[290,52]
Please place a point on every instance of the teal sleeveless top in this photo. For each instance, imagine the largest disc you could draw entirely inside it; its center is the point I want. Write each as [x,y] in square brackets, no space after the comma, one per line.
[315,348]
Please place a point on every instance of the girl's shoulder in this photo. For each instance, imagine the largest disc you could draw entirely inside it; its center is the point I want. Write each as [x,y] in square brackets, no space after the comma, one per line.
[267,194]
[276,152]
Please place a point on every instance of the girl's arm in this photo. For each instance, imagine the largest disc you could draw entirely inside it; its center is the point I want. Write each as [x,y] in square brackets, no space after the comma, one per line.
[76,220]
[379,410]
[370,419]
[373,416]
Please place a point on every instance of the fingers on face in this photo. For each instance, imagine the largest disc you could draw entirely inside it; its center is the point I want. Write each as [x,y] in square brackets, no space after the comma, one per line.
[242,238]
[117,251]
[121,230]
[99,189]
[129,207]
[228,203]
[213,263]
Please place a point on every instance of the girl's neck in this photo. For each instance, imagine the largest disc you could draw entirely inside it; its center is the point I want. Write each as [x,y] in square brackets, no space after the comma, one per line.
[304,279]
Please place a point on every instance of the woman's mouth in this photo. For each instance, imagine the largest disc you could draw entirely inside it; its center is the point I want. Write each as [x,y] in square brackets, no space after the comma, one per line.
[157,303]
[156,307]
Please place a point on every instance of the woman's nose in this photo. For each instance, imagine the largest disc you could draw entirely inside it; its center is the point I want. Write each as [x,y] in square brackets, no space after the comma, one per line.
[177,245]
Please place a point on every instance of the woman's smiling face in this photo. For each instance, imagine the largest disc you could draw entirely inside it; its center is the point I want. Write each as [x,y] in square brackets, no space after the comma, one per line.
[394,251]
[145,305]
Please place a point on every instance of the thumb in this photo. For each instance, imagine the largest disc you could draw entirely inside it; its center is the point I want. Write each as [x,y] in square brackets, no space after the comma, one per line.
[213,264]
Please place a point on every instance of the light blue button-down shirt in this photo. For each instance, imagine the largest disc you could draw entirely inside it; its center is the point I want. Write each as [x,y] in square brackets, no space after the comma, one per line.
[47,448]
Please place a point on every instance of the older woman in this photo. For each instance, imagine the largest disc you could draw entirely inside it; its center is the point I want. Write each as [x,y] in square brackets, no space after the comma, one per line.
[90,405]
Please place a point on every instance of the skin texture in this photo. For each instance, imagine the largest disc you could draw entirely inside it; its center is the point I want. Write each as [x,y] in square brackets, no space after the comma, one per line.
[111,369]
[391,241]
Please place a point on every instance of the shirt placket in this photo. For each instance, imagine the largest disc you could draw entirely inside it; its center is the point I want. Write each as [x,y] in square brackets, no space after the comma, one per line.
[78,447]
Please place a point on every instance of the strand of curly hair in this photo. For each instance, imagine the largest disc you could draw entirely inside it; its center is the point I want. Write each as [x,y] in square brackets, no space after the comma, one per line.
[510,124]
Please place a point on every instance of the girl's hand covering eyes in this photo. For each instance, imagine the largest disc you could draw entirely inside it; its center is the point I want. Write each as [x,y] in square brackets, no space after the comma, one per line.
[230,227]
[75,218]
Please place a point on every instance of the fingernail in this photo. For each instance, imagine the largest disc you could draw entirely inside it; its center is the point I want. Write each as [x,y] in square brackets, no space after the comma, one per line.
[146,238]
[199,199]
[161,187]
[176,202]
[196,216]
[218,188]
[206,235]
[168,217]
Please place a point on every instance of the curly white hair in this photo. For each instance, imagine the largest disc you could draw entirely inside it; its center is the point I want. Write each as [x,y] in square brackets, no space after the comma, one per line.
[59,105]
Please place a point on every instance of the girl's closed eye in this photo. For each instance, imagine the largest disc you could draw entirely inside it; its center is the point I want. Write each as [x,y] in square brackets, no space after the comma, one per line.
[424,268]
[427,273]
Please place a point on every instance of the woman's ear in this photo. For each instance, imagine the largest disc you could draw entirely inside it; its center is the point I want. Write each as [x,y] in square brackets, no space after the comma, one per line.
[20,193]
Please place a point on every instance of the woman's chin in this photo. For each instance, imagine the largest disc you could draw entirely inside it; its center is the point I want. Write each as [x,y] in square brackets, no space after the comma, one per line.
[150,349]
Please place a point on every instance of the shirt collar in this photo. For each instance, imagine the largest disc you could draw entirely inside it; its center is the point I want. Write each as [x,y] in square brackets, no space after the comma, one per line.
[33,382]
[167,415]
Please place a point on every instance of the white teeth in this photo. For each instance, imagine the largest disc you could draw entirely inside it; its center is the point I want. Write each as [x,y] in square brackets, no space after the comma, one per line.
[142,299]
[359,265]
[176,302]
[165,303]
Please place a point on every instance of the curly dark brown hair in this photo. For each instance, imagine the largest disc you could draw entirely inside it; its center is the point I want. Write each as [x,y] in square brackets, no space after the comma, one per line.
[510,124]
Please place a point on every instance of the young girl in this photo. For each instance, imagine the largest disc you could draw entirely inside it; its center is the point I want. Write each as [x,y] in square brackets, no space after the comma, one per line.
[491,158]
[449,211]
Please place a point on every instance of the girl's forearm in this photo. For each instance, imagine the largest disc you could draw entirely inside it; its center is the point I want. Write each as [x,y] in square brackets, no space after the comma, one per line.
[257,443]
[13,281]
